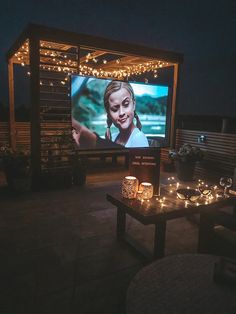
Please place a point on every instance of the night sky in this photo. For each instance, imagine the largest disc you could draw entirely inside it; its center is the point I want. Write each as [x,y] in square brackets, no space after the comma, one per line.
[204,31]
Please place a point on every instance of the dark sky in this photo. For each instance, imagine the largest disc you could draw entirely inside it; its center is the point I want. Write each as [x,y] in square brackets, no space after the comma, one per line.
[204,31]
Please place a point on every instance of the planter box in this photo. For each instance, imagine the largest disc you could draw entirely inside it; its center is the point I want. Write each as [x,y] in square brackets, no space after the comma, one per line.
[185,170]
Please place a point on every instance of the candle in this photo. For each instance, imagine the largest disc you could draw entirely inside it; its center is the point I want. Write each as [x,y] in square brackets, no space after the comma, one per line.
[129,187]
[147,190]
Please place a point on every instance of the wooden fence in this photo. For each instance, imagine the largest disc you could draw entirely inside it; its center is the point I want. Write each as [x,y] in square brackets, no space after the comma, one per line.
[219,148]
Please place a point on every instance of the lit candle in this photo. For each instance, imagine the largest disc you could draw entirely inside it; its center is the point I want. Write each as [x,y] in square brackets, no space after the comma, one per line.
[147,190]
[129,187]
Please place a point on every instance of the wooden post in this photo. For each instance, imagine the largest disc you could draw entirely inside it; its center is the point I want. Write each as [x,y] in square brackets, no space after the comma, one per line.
[174,105]
[159,240]
[12,123]
[35,110]
[205,235]
[121,224]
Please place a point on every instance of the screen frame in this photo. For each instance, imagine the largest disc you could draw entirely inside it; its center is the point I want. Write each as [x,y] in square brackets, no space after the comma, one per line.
[163,141]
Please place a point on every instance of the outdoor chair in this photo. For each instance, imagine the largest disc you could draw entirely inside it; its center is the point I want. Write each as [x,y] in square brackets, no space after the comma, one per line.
[179,284]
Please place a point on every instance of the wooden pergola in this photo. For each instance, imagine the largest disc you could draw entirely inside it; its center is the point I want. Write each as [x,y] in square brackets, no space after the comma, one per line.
[52,55]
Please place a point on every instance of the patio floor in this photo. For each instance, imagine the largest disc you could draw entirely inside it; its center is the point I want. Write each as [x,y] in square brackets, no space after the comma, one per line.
[59,252]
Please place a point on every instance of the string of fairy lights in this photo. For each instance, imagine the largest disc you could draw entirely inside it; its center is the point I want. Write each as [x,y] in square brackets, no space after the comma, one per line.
[51,59]
[208,194]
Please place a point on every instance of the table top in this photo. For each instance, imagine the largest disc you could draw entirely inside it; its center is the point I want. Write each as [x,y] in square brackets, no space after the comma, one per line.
[180,284]
[166,206]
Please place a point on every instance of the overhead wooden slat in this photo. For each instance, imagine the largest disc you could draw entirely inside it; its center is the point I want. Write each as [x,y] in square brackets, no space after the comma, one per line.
[93,55]
[52,64]
[55,45]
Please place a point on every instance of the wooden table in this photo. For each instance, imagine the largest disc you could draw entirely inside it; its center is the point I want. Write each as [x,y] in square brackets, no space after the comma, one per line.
[158,211]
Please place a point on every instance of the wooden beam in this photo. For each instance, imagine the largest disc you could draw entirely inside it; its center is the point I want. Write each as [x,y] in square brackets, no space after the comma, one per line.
[98,43]
[124,61]
[174,105]
[35,109]
[12,124]
[18,43]
[128,61]
[93,55]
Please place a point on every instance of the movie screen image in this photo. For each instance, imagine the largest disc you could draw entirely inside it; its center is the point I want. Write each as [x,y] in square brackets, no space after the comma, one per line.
[109,113]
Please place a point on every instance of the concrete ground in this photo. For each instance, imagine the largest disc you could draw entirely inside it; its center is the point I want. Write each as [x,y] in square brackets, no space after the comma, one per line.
[58,248]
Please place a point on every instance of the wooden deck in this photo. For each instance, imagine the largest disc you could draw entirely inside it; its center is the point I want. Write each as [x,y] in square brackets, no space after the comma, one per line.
[59,252]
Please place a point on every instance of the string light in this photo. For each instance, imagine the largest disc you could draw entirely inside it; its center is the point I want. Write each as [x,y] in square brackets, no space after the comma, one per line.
[60,61]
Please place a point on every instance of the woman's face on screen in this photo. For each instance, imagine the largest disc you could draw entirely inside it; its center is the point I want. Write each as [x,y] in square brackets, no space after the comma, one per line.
[121,108]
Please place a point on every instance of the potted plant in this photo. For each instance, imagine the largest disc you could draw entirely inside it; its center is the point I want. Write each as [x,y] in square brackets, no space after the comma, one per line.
[185,159]
[16,165]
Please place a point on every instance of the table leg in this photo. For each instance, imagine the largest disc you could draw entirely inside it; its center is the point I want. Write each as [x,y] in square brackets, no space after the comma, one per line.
[121,222]
[205,232]
[159,240]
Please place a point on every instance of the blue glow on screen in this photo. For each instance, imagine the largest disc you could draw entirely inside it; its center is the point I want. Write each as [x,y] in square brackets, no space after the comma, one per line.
[150,90]
[88,105]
